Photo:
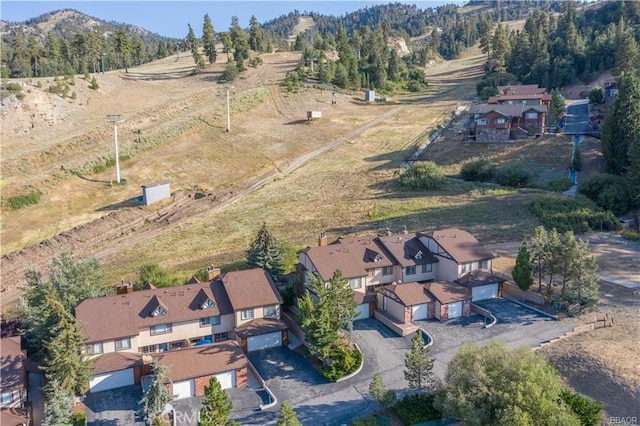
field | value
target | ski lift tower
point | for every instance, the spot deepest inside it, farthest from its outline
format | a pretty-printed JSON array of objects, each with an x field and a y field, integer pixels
[
  {"x": 228, "y": 86},
  {"x": 115, "y": 119}
]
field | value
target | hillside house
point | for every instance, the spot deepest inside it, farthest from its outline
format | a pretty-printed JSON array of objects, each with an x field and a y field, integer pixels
[
  {"x": 409, "y": 276},
  {"x": 504, "y": 122},
  {"x": 526, "y": 94},
  {"x": 124, "y": 331}
]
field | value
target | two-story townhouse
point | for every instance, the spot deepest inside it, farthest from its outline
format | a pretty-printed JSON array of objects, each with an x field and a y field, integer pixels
[
  {"x": 463, "y": 260},
  {"x": 13, "y": 382},
  {"x": 125, "y": 330},
  {"x": 413, "y": 261}
]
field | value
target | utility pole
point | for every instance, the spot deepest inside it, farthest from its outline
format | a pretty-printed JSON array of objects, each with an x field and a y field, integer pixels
[
  {"x": 228, "y": 86},
  {"x": 115, "y": 119}
]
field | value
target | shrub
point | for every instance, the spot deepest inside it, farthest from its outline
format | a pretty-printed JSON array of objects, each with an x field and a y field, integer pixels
[
  {"x": 256, "y": 61},
  {"x": 73, "y": 95},
  {"x": 365, "y": 421},
  {"x": 631, "y": 236},
  {"x": 94, "y": 83},
  {"x": 288, "y": 294},
  {"x": 577, "y": 214},
  {"x": 478, "y": 169},
  {"x": 79, "y": 419},
  {"x": 344, "y": 361},
  {"x": 14, "y": 87},
  {"x": 422, "y": 176},
  {"x": 560, "y": 184},
  {"x": 608, "y": 191},
  {"x": 514, "y": 175},
  {"x": 20, "y": 95},
  {"x": 417, "y": 408},
  {"x": 577, "y": 160},
  {"x": 18, "y": 202},
  {"x": 595, "y": 95},
  {"x": 586, "y": 408},
  {"x": 230, "y": 73}
]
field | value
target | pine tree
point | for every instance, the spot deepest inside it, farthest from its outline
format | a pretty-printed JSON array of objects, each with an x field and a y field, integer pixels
[
  {"x": 122, "y": 47},
  {"x": 192, "y": 41},
  {"x": 209, "y": 40},
  {"x": 557, "y": 108},
  {"x": 419, "y": 365},
  {"x": 583, "y": 281},
  {"x": 58, "y": 405},
  {"x": 216, "y": 406},
  {"x": 66, "y": 361},
  {"x": 157, "y": 395},
  {"x": 521, "y": 273},
  {"x": 287, "y": 416},
  {"x": 266, "y": 253},
  {"x": 386, "y": 398}
]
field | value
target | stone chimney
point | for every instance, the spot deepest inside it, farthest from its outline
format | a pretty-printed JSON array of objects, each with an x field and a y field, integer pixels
[
  {"x": 124, "y": 288},
  {"x": 212, "y": 272},
  {"x": 404, "y": 230},
  {"x": 322, "y": 240},
  {"x": 389, "y": 233}
]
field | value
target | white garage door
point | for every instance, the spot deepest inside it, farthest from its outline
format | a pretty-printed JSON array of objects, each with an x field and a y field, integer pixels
[
  {"x": 264, "y": 341},
  {"x": 184, "y": 389},
  {"x": 227, "y": 379},
  {"x": 455, "y": 310},
  {"x": 484, "y": 292},
  {"x": 420, "y": 312},
  {"x": 362, "y": 311},
  {"x": 111, "y": 380}
]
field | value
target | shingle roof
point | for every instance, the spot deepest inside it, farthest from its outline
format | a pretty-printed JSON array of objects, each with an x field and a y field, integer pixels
[
  {"x": 405, "y": 249},
  {"x": 112, "y": 317},
  {"x": 260, "y": 326},
  {"x": 497, "y": 98},
  {"x": 522, "y": 89},
  {"x": 250, "y": 289},
  {"x": 13, "y": 417},
  {"x": 12, "y": 369},
  {"x": 114, "y": 361},
  {"x": 202, "y": 361},
  {"x": 478, "y": 278},
  {"x": 411, "y": 294},
  {"x": 514, "y": 110},
  {"x": 461, "y": 245},
  {"x": 447, "y": 292}
]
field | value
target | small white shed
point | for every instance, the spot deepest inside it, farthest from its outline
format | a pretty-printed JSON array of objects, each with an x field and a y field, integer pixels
[{"x": 155, "y": 192}]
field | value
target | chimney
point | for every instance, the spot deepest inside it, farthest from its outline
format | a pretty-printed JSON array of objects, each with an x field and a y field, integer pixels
[
  {"x": 212, "y": 272},
  {"x": 124, "y": 288},
  {"x": 389, "y": 233},
  {"x": 404, "y": 229},
  {"x": 322, "y": 240}
]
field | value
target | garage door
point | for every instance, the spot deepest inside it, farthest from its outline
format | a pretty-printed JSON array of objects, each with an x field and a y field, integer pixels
[
  {"x": 264, "y": 341},
  {"x": 420, "y": 312},
  {"x": 111, "y": 380},
  {"x": 362, "y": 311},
  {"x": 455, "y": 310},
  {"x": 184, "y": 389},
  {"x": 227, "y": 379},
  {"x": 484, "y": 292}
]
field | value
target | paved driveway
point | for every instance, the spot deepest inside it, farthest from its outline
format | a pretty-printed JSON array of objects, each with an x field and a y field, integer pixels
[
  {"x": 577, "y": 117},
  {"x": 114, "y": 407}
]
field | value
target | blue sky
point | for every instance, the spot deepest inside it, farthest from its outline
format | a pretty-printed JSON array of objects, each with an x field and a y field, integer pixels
[{"x": 170, "y": 18}]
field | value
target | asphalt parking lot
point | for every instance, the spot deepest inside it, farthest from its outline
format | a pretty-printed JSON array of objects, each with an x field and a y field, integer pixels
[{"x": 114, "y": 407}]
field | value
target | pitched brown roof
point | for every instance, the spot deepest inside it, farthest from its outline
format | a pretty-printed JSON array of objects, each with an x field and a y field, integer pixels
[
  {"x": 353, "y": 256},
  {"x": 112, "y": 317},
  {"x": 13, "y": 417},
  {"x": 114, "y": 361},
  {"x": 407, "y": 250},
  {"x": 202, "y": 361},
  {"x": 260, "y": 326},
  {"x": 250, "y": 289},
  {"x": 478, "y": 278},
  {"x": 363, "y": 297},
  {"x": 447, "y": 292},
  {"x": 514, "y": 110},
  {"x": 411, "y": 294},
  {"x": 12, "y": 370},
  {"x": 461, "y": 245},
  {"x": 496, "y": 99}
]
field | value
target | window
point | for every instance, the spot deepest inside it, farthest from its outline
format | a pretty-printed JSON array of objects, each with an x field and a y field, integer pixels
[
  {"x": 7, "y": 397},
  {"x": 147, "y": 349},
  {"x": 483, "y": 122},
  {"x": 246, "y": 314},
  {"x": 202, "y": 340},
  {"x": 163, "y": 347},
  {"x": 531, "y": 116},
  {"x": 427, "y": 267},
  {"x": 177, "y": 344},
  {"x": 484, "y": 264},
  {"x": 160, "y": 329},
  {"x": 159, "y": 312},
  {"x": 510, "y": 102},
  {"x": 209, "y": 321},
  {"x": 269, "y": 311},
  {"x": 208, "y": 304},
  {"x": 418, "y": 255},
  {"x": 95, "y": 348},
  {"x": 501, "y": 120},
  {"x": 123, "y": 344},
  {"x": 355, "y": 283},
  {"x": 387, "y": 270},
  {"x": 219, "y": 337},
  {"x": 410, "y": 270},
  {"x": 466, "y": 267}
]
